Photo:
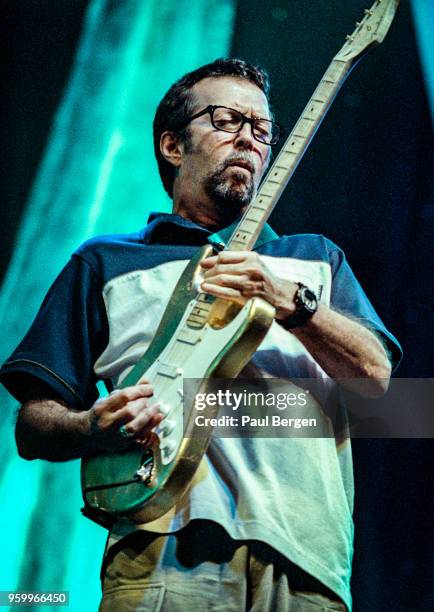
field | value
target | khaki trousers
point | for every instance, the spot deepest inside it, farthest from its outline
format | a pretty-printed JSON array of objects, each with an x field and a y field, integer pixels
[{"x": 201, "y": 569}]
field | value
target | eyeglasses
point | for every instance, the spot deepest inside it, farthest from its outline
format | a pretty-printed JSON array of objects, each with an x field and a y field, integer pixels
[{"x": 232, "y": 121}]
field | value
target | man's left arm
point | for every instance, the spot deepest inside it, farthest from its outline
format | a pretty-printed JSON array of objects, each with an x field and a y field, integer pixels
[{"x": 347, "y": 350}]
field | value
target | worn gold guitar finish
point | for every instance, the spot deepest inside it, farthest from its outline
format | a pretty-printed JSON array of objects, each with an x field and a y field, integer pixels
[{"x": 200, "y": 337}]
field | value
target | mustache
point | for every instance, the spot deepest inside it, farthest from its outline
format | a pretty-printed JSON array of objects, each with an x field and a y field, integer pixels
[{"x": 240, "y": 159}]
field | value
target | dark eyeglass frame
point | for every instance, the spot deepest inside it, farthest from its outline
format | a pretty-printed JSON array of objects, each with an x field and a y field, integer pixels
[{"x": 252, "y": 120}]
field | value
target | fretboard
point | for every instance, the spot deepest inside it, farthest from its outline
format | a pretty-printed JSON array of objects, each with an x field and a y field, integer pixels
[
  {"x": 370, "y": 31},
  {"x": 258, "y": 211}
]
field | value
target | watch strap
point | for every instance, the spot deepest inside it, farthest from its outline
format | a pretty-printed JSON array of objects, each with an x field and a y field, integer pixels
[{"x": 303, "y": 312}]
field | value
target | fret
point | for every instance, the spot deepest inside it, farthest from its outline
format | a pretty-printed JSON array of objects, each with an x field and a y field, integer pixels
[
  {"x": 295, "y": 145},
  {"x": 312, "y": 110},
  {"x": 290, "y": 155},
  {"x": 242, "y": 233},
  {"x": 262, "y": 208},
  {"x": 279, "y": 172},
  {"x": 255, "y": 215},
  {"x": 199, "y": 310},
  {"x": 333, "y": 72},
  {"x": 303, "y": 126},
  {"x": 260, "y": 199},
  {"x": 247, "y": 226},
  {"x": 195, "y": 318},
  {"x": 203, "y": 307},
  {"x": 320, "y": 95},
  {"x": 324, "y": 89},
  {"x": 268, "y": 190},
  {"x": 237, "y": 241}
]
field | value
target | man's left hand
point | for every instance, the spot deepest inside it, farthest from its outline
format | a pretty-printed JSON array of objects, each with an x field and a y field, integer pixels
[{"x": 241, "y": 275}]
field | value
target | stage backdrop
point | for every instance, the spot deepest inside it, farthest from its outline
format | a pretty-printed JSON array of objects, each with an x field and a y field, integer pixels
[
  {"x": 365, "y": 183},
  {"x": 98, "y": 175}
]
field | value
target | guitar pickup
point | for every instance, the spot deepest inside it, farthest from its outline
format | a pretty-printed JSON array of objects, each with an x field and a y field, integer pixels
[
  {"x": 189, "y": 336},
  {"x": 171, "y": 371}
]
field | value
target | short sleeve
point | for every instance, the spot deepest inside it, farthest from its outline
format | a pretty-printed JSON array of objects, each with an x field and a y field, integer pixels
[
  {"x": 68, "y": 334},
  {"x": 348, "y": 297}
]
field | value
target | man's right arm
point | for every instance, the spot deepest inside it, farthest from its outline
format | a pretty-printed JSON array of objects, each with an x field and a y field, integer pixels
[{"x": 49, "y": 429}]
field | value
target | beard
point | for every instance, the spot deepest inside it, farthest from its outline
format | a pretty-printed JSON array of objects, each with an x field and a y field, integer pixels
[{"x": 230, "y": 193}]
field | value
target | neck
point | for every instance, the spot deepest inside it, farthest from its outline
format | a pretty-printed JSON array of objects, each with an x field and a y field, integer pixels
[{"x": 199, "y": 210}]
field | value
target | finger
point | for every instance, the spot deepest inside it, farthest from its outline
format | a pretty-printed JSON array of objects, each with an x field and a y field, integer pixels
[
  {"x": 147, "y": 418},
  {"x": 120, "y": 397},
  {"x": 129, "y": 411},
  {"x": 209, "y": 262},
  {"x": 229, "y": 280},
  {"x": 236, "y": 269},
  {"x": 145, "y": 421},
  {"x": 254, "y": 270},
  {"x": 114, "y": 419},
  {"x": 226, "y": 257},
  {"x": 226, "y": 293}
]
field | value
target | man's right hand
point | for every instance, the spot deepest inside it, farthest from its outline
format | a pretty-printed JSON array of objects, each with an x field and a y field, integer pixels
[
  {"x": 126, "y": 415},
  {"x": 49, "y": 429}
]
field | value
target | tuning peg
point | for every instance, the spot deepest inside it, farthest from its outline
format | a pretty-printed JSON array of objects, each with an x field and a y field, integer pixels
[
  {"x": 368, "y": 12},
  {"x": 358, "y": 24},
  {"x": 349, "y": 37}
]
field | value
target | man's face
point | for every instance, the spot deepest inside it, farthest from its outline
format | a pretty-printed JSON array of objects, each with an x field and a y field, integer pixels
[{"x": 219, "y": 169}]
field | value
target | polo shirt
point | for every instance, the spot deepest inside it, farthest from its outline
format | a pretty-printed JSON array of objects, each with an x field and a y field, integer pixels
[{"x": 100, "y": 316}]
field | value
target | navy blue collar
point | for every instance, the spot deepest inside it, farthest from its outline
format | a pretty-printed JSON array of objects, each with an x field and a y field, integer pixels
[{"x": 166, "y": 228}]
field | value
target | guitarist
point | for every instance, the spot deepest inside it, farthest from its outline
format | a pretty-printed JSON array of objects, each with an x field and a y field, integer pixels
[{"x": 267, "y": 522}]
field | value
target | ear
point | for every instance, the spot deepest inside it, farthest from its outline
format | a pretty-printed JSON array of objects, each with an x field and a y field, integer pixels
[{"x": 171, "y": 147}]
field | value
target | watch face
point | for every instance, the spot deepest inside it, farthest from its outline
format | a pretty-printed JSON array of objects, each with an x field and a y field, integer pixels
[{"x": 309, "y": 299}]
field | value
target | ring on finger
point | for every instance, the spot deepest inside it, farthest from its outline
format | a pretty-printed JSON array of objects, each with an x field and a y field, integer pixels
[{"x": 124, "y": 433}]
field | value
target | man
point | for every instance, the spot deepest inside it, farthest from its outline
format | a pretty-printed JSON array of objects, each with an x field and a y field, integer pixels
[{"x": 266, "y": 523}]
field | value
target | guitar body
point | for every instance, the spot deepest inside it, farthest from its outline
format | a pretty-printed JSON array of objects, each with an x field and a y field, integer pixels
[{"x": 143, "y": 483}]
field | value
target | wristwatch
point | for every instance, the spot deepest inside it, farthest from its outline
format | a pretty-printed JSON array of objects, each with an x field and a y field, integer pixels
[{"x": 306, "y": 305}]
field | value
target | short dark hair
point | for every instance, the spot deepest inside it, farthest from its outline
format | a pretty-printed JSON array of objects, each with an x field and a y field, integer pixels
[{"x": 177, "y": 104}]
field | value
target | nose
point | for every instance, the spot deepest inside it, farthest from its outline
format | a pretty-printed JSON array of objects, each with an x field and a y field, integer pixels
[{"x": 244, "y": 138}]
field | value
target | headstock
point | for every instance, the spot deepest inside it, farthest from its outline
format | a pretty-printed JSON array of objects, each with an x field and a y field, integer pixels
[{"x": 370, "y": 31}]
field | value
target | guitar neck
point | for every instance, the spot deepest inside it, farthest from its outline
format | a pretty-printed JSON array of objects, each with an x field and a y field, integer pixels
[
  {"x": 258, "y": 211},
  {"x": 370, "y": 31}
]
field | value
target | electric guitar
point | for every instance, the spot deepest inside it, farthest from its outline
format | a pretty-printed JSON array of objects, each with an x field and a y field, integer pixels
[{"x": 201, "y": 337}]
